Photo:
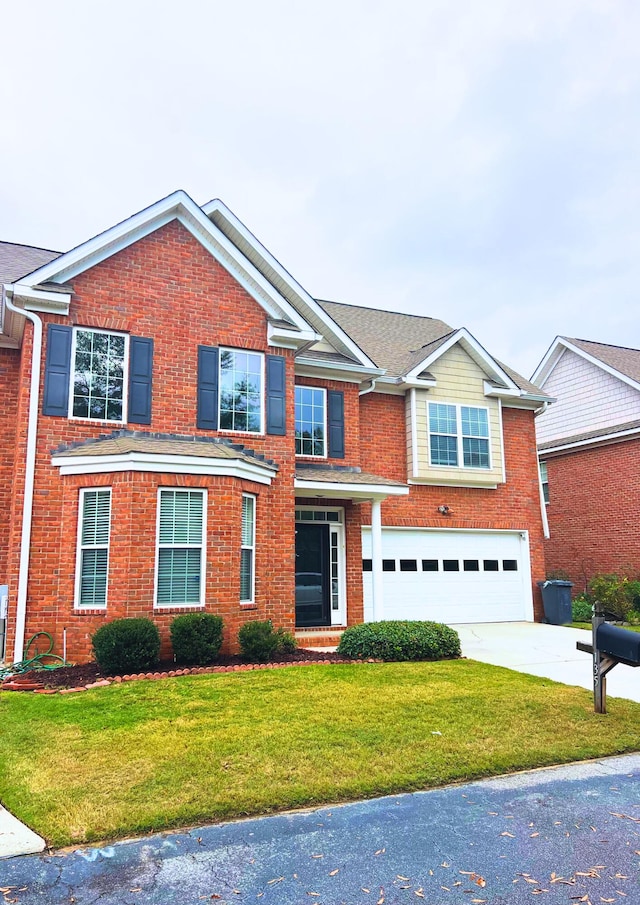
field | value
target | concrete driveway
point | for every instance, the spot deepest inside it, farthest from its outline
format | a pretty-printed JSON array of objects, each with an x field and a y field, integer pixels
[{"x": 543, "y": 650}]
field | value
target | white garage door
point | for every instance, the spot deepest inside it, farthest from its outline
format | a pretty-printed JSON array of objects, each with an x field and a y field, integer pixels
[{"x": 451, "y": 576}]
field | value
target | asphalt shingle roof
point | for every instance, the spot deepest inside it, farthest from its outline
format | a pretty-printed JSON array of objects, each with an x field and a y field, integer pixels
[
  {"x": 18, "y": 260},
  {"x": 627, "y": 361},
  {"x": 342, "y": 476}
]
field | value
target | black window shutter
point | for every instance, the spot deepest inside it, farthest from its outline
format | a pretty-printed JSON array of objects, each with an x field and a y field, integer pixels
[
  {"x": 276, "y": 396},
  {"x": 140, "y": 374},
  {"x": 207, "y": 417},
  {"x": 335, "y": 406},
  {"x": 57, "y": 371}
]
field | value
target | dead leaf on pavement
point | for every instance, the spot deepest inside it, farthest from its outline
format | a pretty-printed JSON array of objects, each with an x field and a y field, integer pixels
[{"x": 332, "y": 873}]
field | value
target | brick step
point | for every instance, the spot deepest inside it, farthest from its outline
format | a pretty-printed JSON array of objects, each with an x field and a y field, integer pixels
[{"x": 319, "y": 637}]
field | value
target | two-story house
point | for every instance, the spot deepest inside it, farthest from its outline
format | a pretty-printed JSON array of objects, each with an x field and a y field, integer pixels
[
  {"x": 184, "y": 427},
  {"x": 589, "y": 448}
]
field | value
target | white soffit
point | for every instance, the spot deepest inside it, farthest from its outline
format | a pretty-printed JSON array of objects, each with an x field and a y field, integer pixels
[{"x": 164, "y": 464}]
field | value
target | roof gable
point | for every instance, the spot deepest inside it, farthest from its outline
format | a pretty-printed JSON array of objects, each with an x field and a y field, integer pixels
[{"x": 618, "y": 361}]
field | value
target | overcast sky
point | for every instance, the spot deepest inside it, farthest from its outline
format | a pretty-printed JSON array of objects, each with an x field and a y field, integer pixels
[{"x": 472, "y": 161}]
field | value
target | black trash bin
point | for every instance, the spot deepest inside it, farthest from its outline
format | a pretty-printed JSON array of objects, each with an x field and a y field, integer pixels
[{"x": 556, "y": 599}]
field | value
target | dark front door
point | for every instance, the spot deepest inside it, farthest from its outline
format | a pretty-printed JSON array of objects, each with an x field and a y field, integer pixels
[{"x": 312, "y": 575}]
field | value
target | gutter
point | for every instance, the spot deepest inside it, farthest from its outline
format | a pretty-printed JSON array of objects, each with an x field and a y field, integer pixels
[{"x": 30, "y": 468}]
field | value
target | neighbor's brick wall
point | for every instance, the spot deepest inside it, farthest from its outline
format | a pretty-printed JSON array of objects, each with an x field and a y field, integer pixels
[
  {"x": 511, "y": 506},
  {"x": 169, "y": 288},
  {"x": 594, "y": 512}
]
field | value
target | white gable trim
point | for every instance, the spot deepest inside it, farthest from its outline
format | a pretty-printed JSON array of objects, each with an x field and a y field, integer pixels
[
  {"x": 555, "y": 353},
  {"x": 181, "y": 207},
  {"x": 476, "y": 351},
  {"x": 219, "y": 207}
]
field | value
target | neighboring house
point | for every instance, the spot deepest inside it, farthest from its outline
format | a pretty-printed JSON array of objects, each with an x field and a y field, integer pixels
[
  {"x": 589, "y": 449},
  {"x": 186, "y": 428}
]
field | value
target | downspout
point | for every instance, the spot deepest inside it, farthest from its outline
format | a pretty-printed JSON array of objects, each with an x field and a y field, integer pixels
[
  {"x": 369, "y": 389},
  {"x": 543, "y": 505},
  {"x": 30, "y": 469}
]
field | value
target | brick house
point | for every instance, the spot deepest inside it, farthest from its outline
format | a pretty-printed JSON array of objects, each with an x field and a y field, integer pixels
[
  {"x": 589, "y": 450},
  {"x": 186, "y": 428}
]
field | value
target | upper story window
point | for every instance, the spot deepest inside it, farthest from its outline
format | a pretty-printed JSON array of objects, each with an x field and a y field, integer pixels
[
  {"x": 311, "y": 428},
  {"x": 544, "y": 480},
  {"x": 98, "y": 375},
  {"x": 459, "y": 435},
  {"x": 241, "y": 391}
]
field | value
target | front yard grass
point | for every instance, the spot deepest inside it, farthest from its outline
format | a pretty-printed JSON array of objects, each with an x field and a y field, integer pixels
[
  {"x": 587, "y": 626},
  {"x": 149, "y": 755}
]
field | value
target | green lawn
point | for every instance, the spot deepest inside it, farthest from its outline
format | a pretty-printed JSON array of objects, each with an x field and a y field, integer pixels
[
  {"x": 587, "y": 626},
  {"x": 147, "y": 755}
]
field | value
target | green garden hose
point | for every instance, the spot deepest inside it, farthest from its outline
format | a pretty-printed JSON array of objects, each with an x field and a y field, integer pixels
[{"x": 34, "y": 658}]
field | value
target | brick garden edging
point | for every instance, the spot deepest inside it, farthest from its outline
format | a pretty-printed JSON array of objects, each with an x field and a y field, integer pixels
[{"x": 13, "y": 683}]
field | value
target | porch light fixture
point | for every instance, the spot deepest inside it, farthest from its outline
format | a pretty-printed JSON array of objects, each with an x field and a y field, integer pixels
[{"x": 444, "y": 510}]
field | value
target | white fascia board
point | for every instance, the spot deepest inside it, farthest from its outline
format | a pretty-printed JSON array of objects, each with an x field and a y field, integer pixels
[
  {"x": 603, "y": 440},
  {"x": 218, "y": 207},
  {"x": 41, "y": 299},
  {"x": 351, "y": 373},
  {"x": 160, "y": 463},
  {"x": 548, "y": 362},
  {"x": 566, "y": 344},
  {"x": 428, "y": 482},
  {"x": 466, "y": 339},
  {"x": 290, "y": 339},
  {"x": 336, "y": 490}
]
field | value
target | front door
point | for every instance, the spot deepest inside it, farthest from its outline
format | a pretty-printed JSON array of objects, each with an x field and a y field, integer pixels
[{"x": 312, "y": 575}]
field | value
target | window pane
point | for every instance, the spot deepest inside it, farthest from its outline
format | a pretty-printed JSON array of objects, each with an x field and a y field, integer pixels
[
  {"x": 471, "y": 565},
  {"x": 240, "y": 391},
  {"x": 179, "y": 576},
  {"x": 93, "y": 578},
  {"x": 388, "y": 565},
  {"x": 96, "y": 517},
  {"x": 98, "y": 376},
  {"x": 408, "y": 565},
  {"x": 310, "y": 417},
  {"x": 450, "y": 565},
  {"x": 491, "y": 565},
  {"x": 475, "y": 422},
  {"x": 429, "y": 565},
  {"x": 475, "y": 452},
  {"x": 442, "y": 418},
  {"x": 181, "y": 517},
  {"x": 509, "y": 565},
  {"x": 444, "y": 450},
  {"x": 247, "y": 521},
  {"x": 367, "y": 565},
  {"x": 246, "y": 575}
]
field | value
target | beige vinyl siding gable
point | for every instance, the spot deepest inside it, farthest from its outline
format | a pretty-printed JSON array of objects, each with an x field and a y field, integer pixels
[{"x": 459, "y": 381}]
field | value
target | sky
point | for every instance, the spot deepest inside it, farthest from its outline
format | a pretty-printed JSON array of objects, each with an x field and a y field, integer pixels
[{"x": 472, "y": 161}]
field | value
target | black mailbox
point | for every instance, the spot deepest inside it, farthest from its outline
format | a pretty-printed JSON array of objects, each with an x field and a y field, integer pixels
[{"x": 618, "y": 642}]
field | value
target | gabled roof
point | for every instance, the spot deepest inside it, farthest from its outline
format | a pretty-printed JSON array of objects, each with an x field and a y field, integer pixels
[
  {"x": 620, "y": 361},
  {"x": 401, "y": 343},
  {"x": 18, "y": 260}
]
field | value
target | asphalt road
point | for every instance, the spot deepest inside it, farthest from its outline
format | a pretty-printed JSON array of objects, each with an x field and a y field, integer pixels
[{"x": 565, "y": 835}]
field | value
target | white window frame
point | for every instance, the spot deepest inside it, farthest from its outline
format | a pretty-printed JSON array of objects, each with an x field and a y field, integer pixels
[
  {"x": 125, "y": 375},
  {"x": 459, "y": 436},
  {"x": 263, "y": 390},
  {"x": 544, "y": 482},
  {"x": 202, "y": 546},
  {"x": 251, "y": 547},
  {"x": 301, "y": 386},
  {"x": 80, "y": 548}
]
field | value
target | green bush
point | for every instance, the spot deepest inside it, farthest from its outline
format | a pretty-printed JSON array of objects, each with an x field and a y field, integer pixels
[
  {"x": 258, "y": 641},
  {"x": 582, "y": 609},
  {"x": 127, "y": 646},
  {"x": 196, "y": 638},
  {"x": 287, "y": 644},
  {"x": 400, "y": 640},
  {"x": 633, "y": 591},
  {"x": 612, "y": 592}
]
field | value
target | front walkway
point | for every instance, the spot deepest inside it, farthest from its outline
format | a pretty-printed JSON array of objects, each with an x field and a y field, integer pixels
[{"x": 543, "y": 650}]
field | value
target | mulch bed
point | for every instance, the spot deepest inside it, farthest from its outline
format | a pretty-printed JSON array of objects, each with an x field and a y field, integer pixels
[{"x": 87, "y": 673}]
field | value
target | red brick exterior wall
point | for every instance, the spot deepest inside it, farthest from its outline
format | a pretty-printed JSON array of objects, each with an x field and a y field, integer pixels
[
  {"x": 9, "y": 377},
  {"x": 594, "y": 512}
]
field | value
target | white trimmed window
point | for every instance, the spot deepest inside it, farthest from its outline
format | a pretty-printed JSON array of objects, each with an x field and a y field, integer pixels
[
  {"x": 241, "y": 391},
  {"x": 181, "y": 554},
  {"x": 92, "y": 568},
  {"x": 544, "y": 480},
  {"x": 459, "y": 435},
  {"x": 311, "y": 422},
  {"x": 98, "y": 375},
  {"x": 248, "y": 549}
]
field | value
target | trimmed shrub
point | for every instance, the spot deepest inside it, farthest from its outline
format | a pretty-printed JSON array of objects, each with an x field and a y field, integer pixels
[
  {"x": 258, "y": 641},
  {"x": 581, "y": 609},
  {"x": 287, "y": 644},
  {"x": 400, "y": 640},
  {"x": 196, "y": 638},
  {"x": 127, "y": 645}
]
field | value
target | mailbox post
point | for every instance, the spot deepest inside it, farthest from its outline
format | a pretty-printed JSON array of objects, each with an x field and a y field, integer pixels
[{"x": 610, "y": 645}]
